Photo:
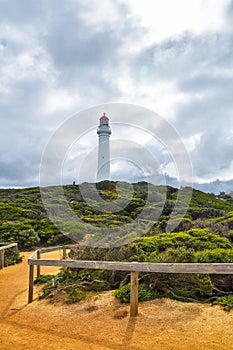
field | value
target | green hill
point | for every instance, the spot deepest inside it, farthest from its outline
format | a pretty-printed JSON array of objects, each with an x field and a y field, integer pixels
[
  {"x": 204, "y": 234},
  {"x": 23, "y": 217}
]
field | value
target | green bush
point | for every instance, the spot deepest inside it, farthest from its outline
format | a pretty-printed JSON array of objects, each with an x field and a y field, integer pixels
[
  {"x": 27, "y": 238},
  {"x": 183, "y": 294},
  {"x": 229, "y": 235},
  {"x": 123, "y": 293},
  {"x": 43, "y": 279},
  {"x": 225, "y": 301},
  {"x": 12, "y": 256},
  {"x": 178, "y": 255},
  {"x": 75, "y": 295},
  {"x": 214, "y": 256}
]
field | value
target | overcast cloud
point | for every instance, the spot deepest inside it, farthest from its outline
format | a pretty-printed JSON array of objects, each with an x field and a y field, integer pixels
[{"x": 58, "y": 58}]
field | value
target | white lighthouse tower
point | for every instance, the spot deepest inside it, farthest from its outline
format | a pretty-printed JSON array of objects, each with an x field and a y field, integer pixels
[{"x": 104, "y": 132}]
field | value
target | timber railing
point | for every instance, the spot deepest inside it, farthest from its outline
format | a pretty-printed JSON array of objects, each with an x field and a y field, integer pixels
[
  {"x": 3, "y": 247},
  {"x": 134, "y": 268}
]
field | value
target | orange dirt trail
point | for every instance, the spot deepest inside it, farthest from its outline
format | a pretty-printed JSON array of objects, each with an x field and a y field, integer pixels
[{"x": 102, "y": 323}]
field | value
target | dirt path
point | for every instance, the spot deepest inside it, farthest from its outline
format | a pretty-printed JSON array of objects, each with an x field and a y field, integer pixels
[{"x": 102, "y": 323}]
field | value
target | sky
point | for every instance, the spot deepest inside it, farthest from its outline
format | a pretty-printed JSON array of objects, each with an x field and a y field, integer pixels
[{"x": 60, "y": 58}]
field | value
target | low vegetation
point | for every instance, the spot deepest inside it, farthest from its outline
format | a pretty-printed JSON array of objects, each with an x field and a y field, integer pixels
[
  {"x": 23, "y": 218},
  {"x": 204, "y": 234},
  {"x": 195, "y": 245},
  {"x": 12, "y": 256},
  {"x": 44, "y": 279}
]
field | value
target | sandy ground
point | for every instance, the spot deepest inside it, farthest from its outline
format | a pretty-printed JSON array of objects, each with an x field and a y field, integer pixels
[{"x": 102, "y": 323}]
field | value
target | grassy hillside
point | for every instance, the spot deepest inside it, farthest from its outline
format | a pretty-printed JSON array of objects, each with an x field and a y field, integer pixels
[
  {"x": 24, "y": 219},
  {"x": 205, "y": 234}
]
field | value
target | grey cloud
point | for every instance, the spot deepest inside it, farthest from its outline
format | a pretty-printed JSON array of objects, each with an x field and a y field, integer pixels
[
  {"x": 205, "y": 83},
  {"x": 19, "y": 171},
  {"x": 201, "y": 68},
  {"x": 73, "y": 46},
  {"x": 75, "y": 53},
  {"x": 82, "y": 55},
  {"x": 213, "y": 153},
  {"x": 187, "y": 56}
]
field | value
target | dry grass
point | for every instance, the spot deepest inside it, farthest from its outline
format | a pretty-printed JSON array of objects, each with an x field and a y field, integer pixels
[
  {"x": 91, "y": 308},
  {"x": 120, "y": 314}
]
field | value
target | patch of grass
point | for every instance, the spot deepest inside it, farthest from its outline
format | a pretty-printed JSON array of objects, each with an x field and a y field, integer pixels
[
  {"x": 91, "y": 308},
  {"x": 75, "y": 295},
  {"x": 120, "y": 314},
  {"x": 183, "y": 294},
  {"x": 43, "y": 279},
  {"x": 225, "y": 301}
]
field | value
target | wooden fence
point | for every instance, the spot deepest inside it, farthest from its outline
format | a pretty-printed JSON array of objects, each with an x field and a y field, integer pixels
[
  {"x": 134, "y": 267},
  {"x": 3, "y": 247}
]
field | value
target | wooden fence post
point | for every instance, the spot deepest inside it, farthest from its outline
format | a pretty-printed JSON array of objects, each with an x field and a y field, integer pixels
[
  {"x": 133, "y": 293},
  {"x": 1, "y": 259},
  {"x": 38, "y": 266},
  {"x": 64, "y": 256},
  {"x": 31, "y": 282}
]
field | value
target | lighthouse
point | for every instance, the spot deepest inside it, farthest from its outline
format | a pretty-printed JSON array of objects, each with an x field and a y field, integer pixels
[{"x": 104, "y": 132}]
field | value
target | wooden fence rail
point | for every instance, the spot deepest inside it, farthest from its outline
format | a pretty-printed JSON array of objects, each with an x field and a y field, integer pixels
[
  {"x": 133, "y": 267},
  {"x": 3, "y": 247}
]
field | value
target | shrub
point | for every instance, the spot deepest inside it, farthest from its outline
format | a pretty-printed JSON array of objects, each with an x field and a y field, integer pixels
[
  {"x": 12, "y": 256},
  {"x": 183, "y": 294},
  {"x": 225, "y": 301},
  {"x": 214, "y": 256},
  {"x": 75, "y": 295},
  {"x": 229, "y": 235},
  {"x": 123, "y": 293},
  {"x": 27, "y": 238},
  {"x": 43, "y": 279},
  {"x": 180, "y": 254}
]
